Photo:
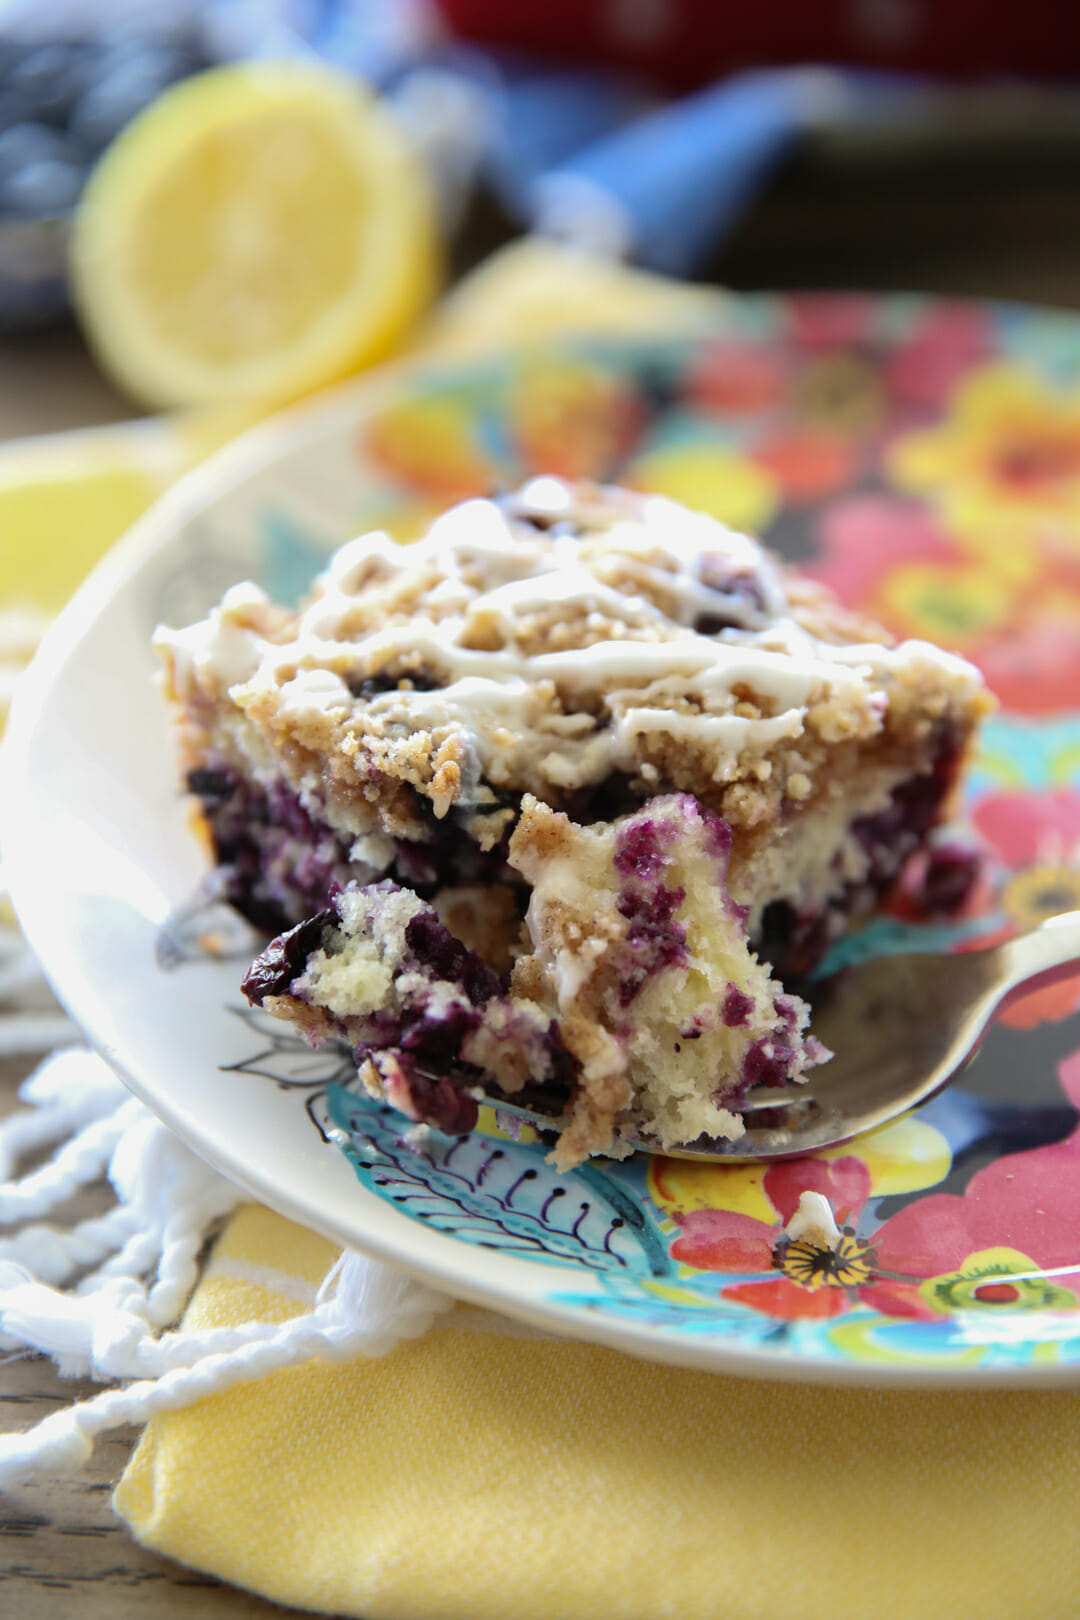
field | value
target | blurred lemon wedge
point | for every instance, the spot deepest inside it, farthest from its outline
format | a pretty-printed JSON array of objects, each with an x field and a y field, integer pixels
[{"x": 258, "y": 231}]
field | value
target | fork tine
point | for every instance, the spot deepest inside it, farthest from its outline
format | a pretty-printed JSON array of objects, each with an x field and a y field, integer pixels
[{"x": 773, "y": 1097}]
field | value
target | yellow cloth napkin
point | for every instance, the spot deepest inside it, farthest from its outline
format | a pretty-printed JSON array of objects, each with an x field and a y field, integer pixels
[{"x": 485, "y": 1472}]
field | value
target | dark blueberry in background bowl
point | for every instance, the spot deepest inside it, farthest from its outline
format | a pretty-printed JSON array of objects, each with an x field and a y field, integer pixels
[
  {"x": 51, "y": 78},
  {"x": 14, "y": 109},
  {"x": 42, "y": 172},
  {"x": 61, "y": 103},
  {"x": 127, "y": 82}
]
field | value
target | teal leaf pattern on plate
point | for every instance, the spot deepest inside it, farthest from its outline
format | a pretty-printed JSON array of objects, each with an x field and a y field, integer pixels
[
  {"x": 497, "y": 1194},
  {"x": 289, "y": 558}
]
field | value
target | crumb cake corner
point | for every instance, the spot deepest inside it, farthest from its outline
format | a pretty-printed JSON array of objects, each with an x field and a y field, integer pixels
[{"x": 560, "y": 804}]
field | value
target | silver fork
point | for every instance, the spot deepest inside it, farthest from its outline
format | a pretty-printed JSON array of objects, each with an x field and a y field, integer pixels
[{"x": 900, "y": 1027}]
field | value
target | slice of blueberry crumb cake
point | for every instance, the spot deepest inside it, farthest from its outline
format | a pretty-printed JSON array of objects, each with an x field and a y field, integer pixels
[{"x": 560, "y": 803}]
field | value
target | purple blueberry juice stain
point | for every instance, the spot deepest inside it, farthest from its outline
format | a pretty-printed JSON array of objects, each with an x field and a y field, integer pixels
[
  {"x": 424, "y": 1048},
  {"x": 717, "y": 834},
  {"x": 280, "y": 863},
  {"x": 737, "y": 1007},
  {"x": 893, "y": 833},
  {"x": 952, "y": 870},
  {"x": 654, "y": 940},
  {"x": 641, "y": 846},
  {"x": 767, "y": 1063},
  {"x": 794, "y": 942},
  {"x": 643, "y": 853},
  {"x": 436, "y": 951},
  {"x": 439, "y": 1102},
  {"x": 785, "y": 1010}
]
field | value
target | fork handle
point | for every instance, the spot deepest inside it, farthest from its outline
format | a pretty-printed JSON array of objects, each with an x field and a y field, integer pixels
[{"x": 1042, "y": 957}]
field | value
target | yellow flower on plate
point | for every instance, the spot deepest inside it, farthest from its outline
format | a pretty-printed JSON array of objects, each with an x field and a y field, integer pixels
[
  {"x": 429, "y": 445},
  {"x": 569, "y": 417},
  {"x": 1038, "y": 892},
  {"x": 709, "y": 478},
  {"x": 996, "y": 1279},
  {"x": 847, "y": 1263},
  {"x": 1008, "y": 454},
  {"x": 956, "y": 606},
  {"x": 903, "y": 1156},
  {"x": 679, "y": 1186},
  {"x": 840, "y": 392}
]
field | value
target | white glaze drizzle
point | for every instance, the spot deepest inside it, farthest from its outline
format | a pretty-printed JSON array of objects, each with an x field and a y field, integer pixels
[
  {"x": 219, "y": 651},
  {"x": 479, "y": 564}
]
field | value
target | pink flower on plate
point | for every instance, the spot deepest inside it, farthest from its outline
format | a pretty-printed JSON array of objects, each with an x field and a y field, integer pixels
[
  {"x": 948, "y": 341},
  {"x": 1034, "y": 668},
  {"x": 941, "y": 1253},
  {"x": 727, "y": 1240},
  {"x": 830, "y": 320},
  {"x": 957, "y": 1250},
  {"x": 1026, "y": 827},
  {"x": 865, "y": 537},
  {"x": 808, "y": 464},
  {"x": 1038, "y": 836},
  {"x": 738, "y": 378}
]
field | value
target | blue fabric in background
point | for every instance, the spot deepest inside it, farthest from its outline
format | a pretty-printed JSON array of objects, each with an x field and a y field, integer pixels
[
  {"x": 580, "y": 152},
  {"x": 542, "y": 116},
  {"x": 682, "y": 176}
]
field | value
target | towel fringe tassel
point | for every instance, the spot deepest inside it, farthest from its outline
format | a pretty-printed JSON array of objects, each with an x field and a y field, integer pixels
[{"x": 100, "y": 1296}]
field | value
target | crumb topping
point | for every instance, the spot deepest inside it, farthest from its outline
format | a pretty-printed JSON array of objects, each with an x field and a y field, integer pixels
[{"x": 541, "y": 644}]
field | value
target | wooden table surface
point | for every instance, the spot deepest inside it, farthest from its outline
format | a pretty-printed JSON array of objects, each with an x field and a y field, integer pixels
[
  {"x": 60, "y": 1538},
  {"x": 833, "y": 218}
]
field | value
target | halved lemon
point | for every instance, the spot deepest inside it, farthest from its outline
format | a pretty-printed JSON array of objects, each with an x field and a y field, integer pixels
[{"x": 258, "y": 231}]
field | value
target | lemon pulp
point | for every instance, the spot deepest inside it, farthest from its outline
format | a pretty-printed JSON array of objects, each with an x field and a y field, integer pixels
[{"x": 259, "y": 231}]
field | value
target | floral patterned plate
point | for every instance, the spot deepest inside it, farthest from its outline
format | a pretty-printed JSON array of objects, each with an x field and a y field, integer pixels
[{"x": 924, "y": 458}]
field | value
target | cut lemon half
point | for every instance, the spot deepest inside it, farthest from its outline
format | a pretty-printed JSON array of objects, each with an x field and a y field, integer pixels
[{"x": 258, "y": 231}]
